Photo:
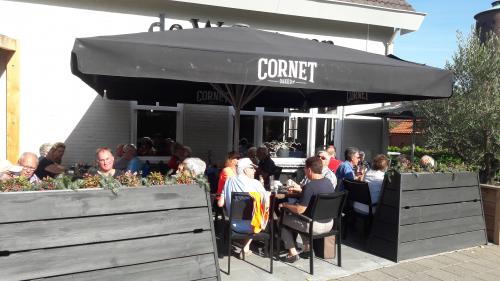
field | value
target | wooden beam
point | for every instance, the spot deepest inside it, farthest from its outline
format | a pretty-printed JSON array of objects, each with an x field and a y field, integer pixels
[{"x": 12, "y": 97}]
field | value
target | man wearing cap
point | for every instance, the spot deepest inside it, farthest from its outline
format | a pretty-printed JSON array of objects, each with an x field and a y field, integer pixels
[
  {"x": 8, "y": 171},
  {"x": 243, "y": 182},
  {"x": 29, "y": 162}
]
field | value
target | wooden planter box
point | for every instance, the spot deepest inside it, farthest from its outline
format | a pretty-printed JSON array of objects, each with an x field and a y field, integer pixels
[
  {"x": 491, "y": 205},
  {"x": 427, "y": 213},
  {"x": 150, "y": 233}
]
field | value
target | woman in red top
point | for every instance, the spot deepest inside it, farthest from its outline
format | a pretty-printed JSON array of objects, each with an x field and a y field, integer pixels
[{"x": 228, "y": 171}]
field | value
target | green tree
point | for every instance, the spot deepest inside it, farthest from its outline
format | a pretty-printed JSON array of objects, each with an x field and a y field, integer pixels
[{"x": 468, "y": 123}]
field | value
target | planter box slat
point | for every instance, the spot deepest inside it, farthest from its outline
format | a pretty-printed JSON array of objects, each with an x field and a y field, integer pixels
[
  {"x": 66, "y": 260},
  {"x": 178, "y": 269},
  {"x": 440, "y": 196},
  {"x": 440, "y": 212},
  {"x": 427, "y": 230},
  {"x": 415, "y": 181},
  {"x": 431, "y": 246},
  {"x": 491, "y": 204},
  {"x": 68, "y": 203},
  {"x": 83, "y": 230}
]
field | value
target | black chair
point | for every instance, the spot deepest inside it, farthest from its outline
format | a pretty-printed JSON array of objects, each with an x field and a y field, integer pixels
[
  {"x": 242, "y": 208},
  {"x": 324, "y": 206},
  {"x": 359, "y": 191}
]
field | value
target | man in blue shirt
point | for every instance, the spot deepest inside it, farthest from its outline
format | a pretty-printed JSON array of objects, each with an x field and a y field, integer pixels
[{"x": 346, "y": 169}]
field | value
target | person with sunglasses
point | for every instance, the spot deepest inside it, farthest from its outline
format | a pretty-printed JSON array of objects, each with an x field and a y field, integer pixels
[{"x": 325, "y": 172}]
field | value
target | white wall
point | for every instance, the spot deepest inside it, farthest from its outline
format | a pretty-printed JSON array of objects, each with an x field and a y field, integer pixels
[
  {"x": 54, "y": 101},
  {"x": 57, "y": 106}
]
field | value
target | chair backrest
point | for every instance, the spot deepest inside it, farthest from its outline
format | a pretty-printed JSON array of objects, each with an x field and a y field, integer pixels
[
  {"x": 359, "y": 191},
  {"x": 328, "y": 205},
  {"x": 241, "y": 206}
]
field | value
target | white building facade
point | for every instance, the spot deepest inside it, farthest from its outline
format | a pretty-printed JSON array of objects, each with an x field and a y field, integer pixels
[{"x": 55, "y": 105}]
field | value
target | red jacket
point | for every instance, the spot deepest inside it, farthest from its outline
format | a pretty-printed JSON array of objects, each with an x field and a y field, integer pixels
[{"x": 334, "y": 164}]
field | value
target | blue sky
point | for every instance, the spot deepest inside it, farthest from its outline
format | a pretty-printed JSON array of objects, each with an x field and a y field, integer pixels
[{"x": 435, "y": 42}]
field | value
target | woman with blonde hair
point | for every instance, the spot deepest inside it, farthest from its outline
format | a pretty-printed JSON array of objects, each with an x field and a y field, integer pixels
[{"x": 50, "y": 165}]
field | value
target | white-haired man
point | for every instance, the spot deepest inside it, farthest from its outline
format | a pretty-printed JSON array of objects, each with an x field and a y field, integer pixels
[
  {"x": 29, "y": 162},
  {"x": 243, "y": 182}
]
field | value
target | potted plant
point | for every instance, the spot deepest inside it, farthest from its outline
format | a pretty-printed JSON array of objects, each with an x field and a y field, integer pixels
[{"x": 280, "y": 148}]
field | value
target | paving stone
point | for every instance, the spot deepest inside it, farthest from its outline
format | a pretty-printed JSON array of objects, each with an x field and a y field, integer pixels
[
  {"x": 376, "y": 275},
  {"x": 441, "y": 274},
  {"x": 486, "y": 276},
  {"x": 459, "y": 256},
  {"x": 419, "y": 277},
  {"x": 477, "y": 268},
  {"x": 445, "y": 260},
  {"x": 414, "y": 267},
  {"x": 396, "y": 271},
  {"x": 355, "y": 277},
  {"x": 458, "y": 270},
  {"x": 492, "y": 264},
  {"x": 430, "y": 263}
]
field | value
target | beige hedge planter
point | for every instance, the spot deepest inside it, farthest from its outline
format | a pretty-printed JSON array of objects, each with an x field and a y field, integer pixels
[
  {"x": 147, "y": 233},
  {"x": 491, "y": 205}
]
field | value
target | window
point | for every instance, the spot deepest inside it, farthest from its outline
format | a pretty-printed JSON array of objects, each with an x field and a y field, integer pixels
[{"x": 160, "y": 127}]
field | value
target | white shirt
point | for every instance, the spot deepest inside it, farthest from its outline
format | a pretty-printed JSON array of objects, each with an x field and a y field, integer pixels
[{"x": 375, "y": 179}]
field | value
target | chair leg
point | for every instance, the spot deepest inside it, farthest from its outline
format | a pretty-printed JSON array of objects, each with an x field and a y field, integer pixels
[
  {"x": 229, "y": 252},
  {"x": 271, "y": 252},
  {"x": 339, "y": 249},
  {"x": 311, "y": 254}
]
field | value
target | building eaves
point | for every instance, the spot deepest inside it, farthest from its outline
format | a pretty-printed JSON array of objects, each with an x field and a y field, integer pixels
[{"x": 393, "y": 4}]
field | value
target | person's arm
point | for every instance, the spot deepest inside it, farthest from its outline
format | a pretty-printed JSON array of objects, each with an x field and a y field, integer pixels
[
  {"x": 294, "y": 208},
  {"x": 55, "y": 168}
]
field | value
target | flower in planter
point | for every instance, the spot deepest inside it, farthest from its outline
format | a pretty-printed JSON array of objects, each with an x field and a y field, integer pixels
[
  {"x": 15, "y": 184},
  {"x": 155, "y": 178},
  {"x": 129, "y": 179}
]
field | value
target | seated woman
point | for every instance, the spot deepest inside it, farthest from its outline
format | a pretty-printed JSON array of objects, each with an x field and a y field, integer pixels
[
  {"x": 375, "y": 178},
  {"x": 50, "y": 166},
  {"x": 228, "y": 172}
]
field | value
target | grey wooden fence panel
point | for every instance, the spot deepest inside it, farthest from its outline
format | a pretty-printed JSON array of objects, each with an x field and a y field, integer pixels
[
  {"x": 390, "y": 197},
  {"x": 83, "y": 230},
  {"x": 385, "y": 231},
  {"x": 67, "y": 203},
  {"x": 66, "y": 260},
  {"x": 439, "y": 196},
  {"x": 440, "y": 228},
  {"x": 440, "y": 212},
  {"x": 383, "y": 247},
  {"x": 415, "y": 181},
  {"x": 387, "y": 214},
  {"x": 420, "y": 248},
  {"x": 188, "y": 268}
]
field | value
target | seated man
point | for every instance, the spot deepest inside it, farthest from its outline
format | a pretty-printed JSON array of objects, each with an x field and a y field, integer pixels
[
  {"x": 243, "y": 182},
  {"x": 135, "y": 164},
  {"x": 317, "y": 185},
  {"x": 29, "y": 162},
  {"x": 105, "y": 162},
  {"x": 346, "y": 169},
  {"x": 334, "y": 163}
]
